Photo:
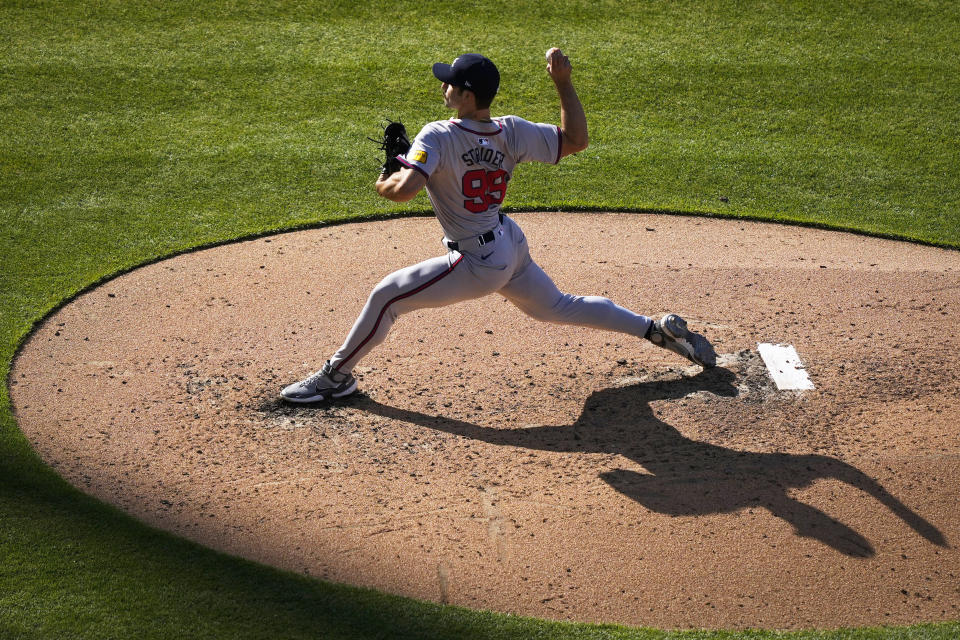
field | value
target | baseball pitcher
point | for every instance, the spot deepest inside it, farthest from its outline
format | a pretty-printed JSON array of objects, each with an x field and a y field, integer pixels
[{"x": 465, "y": 164}]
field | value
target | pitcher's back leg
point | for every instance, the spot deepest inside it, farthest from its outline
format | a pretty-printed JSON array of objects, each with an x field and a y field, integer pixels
[{"x": 535, "y": 293}]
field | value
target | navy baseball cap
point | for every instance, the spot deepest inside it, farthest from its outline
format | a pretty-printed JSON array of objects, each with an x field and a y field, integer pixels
[{"x": 471, "y": 71}]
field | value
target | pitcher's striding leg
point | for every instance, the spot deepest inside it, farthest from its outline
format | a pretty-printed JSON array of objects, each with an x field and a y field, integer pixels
[{"x": 416, "y": 287}]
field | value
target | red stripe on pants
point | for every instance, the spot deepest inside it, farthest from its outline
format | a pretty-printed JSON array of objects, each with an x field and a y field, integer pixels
[{"x": 402, "y": 296}]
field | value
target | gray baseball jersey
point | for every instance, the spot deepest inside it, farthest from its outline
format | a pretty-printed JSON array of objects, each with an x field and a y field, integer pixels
[{"x": 468, "y": 165}]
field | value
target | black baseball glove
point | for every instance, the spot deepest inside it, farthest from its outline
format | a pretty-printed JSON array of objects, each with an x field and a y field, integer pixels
[{"x": 393, "y": 143}]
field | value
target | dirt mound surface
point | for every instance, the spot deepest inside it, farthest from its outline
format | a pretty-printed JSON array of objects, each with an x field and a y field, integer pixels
[{"x": 494, "y": 462}]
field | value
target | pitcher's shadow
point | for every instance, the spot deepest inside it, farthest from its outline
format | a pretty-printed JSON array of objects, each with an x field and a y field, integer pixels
[{"x": 684, "y": 476}]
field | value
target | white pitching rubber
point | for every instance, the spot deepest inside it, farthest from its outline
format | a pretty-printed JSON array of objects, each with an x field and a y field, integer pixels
[{"x": 785, "y": 366}]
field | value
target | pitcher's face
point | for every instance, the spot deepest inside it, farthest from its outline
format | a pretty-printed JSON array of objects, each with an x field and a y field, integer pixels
[{"x": 452, "y": 96}]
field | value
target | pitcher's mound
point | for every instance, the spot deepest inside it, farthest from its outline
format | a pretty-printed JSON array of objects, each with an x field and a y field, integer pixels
[{"x": 498, "y": 463}]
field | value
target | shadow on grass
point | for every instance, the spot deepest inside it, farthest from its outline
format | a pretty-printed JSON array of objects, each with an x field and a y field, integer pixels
[{"x": 73, "y": 567}]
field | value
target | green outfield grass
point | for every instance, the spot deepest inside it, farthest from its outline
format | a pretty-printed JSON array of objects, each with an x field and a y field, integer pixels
[{"x": 135, "y": 130}]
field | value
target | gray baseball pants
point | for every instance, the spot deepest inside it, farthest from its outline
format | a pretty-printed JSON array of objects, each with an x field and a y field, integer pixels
[{"x": 472, "y": 271}]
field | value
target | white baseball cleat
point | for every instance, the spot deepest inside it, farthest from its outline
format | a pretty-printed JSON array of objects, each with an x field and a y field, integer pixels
[
  {"x": 325, "y": 384},
  {"x": 670, "y": 332}
]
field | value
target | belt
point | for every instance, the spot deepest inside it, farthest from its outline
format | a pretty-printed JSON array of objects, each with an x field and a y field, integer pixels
[{"x": 482, "y": 239}]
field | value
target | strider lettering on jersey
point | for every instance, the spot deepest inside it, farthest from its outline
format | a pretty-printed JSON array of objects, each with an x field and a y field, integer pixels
[
  {"x": 468, "y": 165},
  {"x": 483, "y": 155}
]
